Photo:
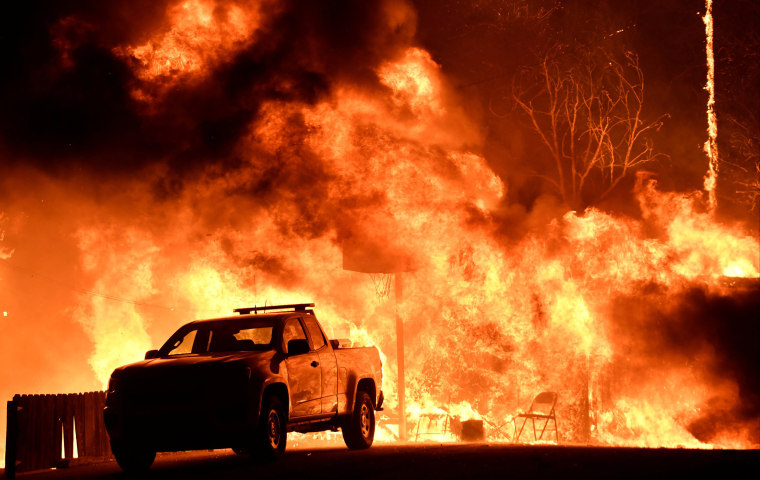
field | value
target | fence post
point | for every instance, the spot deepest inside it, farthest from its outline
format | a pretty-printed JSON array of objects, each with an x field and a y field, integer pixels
[{"x": 11, "y": 439}]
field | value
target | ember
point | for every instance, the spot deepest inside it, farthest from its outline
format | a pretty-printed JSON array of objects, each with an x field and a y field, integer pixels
[{"x": 174, "y": 165}]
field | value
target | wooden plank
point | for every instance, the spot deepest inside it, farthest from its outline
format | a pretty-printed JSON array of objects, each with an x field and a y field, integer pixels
[
  {"x": 103, "y": 447},
  {"x": 32, "y": 447},
  {"x": 11, "y": 439},
  {"x": 22, "y": 419},
  {"x": 42, "y": 442},
  {"x": 90, "y": 437},
  {"x": 106, "y": 438},
  {"x": 84, "y": 452},
  {"x": 22, "y": 452},
  {"x": 44, "y": 445},
  {"x": 78, "y": 400},
  {"x": 88, "y": 433},
  {"x": 33, "y": 441},
  {"x": 99, "y": 427},
  {"x": 28, "y": 430},
  {"x": 94, "y": 428},
  {"x": 59, "y": 414},
  {"x": 53, "y": 431},
  {"x": 44, "y": 432}
]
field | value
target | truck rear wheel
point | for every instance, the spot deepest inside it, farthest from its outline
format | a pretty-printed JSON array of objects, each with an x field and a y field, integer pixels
[
  {"x": 271, "y": 436},
  {"x": 132, "y": 457},
  {"x": 359, "y": 429}
]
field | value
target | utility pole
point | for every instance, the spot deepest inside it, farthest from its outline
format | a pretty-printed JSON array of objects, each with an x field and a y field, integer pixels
[{"x": 399, "y": 291}]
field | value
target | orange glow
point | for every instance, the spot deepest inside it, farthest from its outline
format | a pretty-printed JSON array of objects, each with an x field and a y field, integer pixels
[
  {"x": 490, "y": 320},
  {"x": 414, "y": 83},
  {"x": 198, "y": 35}
]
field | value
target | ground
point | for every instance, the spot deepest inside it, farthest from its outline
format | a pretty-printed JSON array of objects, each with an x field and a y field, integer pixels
[{"x": 434, "y": 461}]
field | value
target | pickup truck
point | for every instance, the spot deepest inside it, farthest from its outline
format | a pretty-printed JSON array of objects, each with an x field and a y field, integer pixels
[{"x": 242, "y": 382}]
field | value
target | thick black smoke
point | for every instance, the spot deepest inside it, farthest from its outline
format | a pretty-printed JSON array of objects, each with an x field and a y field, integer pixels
[
  {"x": 713, "y": 333},
  {"x": 66, "y": 92},
  {"x": 55, "y": 115}
]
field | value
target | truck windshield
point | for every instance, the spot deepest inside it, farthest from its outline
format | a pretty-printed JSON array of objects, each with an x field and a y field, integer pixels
[{"x": 223, "y": 336}]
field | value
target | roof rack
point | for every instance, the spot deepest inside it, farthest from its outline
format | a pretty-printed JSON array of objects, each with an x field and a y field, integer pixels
[{"x": 298, "y": 307}]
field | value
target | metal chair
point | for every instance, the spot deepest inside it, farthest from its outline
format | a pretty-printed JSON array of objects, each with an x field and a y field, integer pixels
[
  {"x": 542, "y": 408},
  {"x": 498, "y": 432},
  {"x": 433, "y": 419}
]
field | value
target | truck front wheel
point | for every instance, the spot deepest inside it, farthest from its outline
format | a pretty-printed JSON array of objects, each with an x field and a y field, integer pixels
[
  {"x": 272, "y": 431},
  {"x": 359, "y": 429},
  {"x": 132, "y": 457}
]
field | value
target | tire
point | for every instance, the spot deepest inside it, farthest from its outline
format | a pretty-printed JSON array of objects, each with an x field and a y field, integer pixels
[
  {"x": 359, "y": 429},
  {"x": 271, "y": 436},
  {"x": 133, "y": 457}
]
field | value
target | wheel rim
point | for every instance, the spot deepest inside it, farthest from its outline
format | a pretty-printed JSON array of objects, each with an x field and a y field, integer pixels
[
  {"x": 364, "y": 420},
  {"x": 273, "y": 429}
]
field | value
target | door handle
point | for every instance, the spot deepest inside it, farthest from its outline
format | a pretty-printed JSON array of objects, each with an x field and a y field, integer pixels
[{"x": 315, "y": 363}]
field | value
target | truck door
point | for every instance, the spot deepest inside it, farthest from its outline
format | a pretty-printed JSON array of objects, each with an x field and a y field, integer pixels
[
  {"x": 304, "y": 374},
  {"x": 328, "y": 363}
]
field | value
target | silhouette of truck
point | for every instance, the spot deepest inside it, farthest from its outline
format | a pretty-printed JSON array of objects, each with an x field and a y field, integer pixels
[{"x": 243, "y": 382}]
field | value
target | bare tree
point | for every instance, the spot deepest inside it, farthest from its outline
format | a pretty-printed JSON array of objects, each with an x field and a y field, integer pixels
[
  {"x": 744, "y": 150},
  {"x": 738, "y": 104},
  {"x": 588, "y": 112}
]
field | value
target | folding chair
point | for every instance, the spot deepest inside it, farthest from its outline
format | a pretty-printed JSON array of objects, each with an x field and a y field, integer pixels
[
  {"x": 432, "y": 419},
  {"x": 497, "y": 432},
  {"x": 542, "y": 408}
]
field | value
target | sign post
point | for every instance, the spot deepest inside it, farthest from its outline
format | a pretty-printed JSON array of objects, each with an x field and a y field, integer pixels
[{"x": 399, "y": 291}]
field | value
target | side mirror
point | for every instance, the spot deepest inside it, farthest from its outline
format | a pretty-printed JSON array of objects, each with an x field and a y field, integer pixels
[
  {"x": 297, "y": 347},
  {"x": 151, "y": 354}
]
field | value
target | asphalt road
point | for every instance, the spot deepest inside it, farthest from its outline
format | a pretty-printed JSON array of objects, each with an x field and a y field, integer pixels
[{"x": 434, "y": 461}]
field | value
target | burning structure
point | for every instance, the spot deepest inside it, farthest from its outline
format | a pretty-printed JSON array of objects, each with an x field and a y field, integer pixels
[{"x": 172, "y": 160}]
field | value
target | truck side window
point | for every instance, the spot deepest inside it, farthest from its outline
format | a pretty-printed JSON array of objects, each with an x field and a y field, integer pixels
[
  {"x": 184, "y": 345},
  {"x": 292, "y": 331},
  {"x": 223, "y": 340},
  {"x": 315, "y": 333}
]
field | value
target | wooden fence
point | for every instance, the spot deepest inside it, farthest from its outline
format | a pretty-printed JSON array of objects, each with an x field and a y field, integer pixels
[{"x": 41, "y": 431}]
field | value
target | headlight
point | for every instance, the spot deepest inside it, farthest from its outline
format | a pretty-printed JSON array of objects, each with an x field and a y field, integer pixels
[{"x": 113, "y": 384}]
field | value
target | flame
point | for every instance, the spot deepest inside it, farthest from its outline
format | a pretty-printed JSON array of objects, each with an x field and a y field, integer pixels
[
  {"x": 118, "y": 330},
  {"x": 701, "y": 246},
  {"x": 5, "y": 253},
  {"x": 199, "y": 34},
  {"x": 414, "y": 83},
  {"x": 711, "y": 145}
]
